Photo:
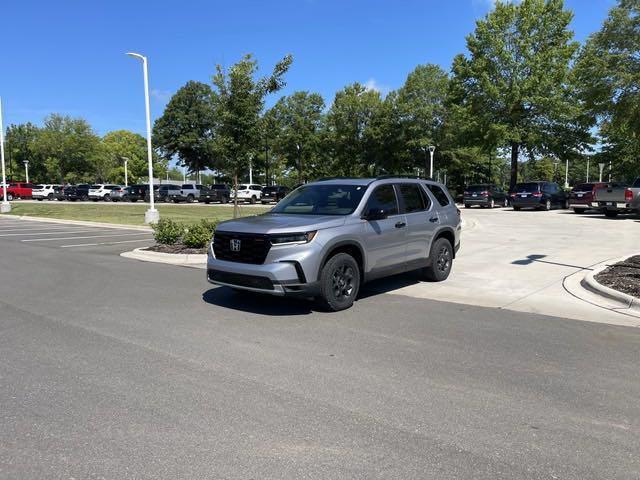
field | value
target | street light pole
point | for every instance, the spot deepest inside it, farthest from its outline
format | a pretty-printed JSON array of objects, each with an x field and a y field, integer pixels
[
  {"x": 250, "y": 171},
  {"x": 126, "y": 171},
  {"x": 151, "y": 215},
  {"x": 299, "y": 163},
  {"x": 6, "y": 206},
  {"x": 566, "y": 174},
  {"x": 601, "y": 165},
  {"x": 26, "y": 170},
  {"x": 588, "y": 161},
  {"x": 432, "y": 149}
]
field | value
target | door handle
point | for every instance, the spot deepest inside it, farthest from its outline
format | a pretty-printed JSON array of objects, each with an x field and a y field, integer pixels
[
  {"x": 433, "y": 219},
  {"x": 401, "y": 225}
]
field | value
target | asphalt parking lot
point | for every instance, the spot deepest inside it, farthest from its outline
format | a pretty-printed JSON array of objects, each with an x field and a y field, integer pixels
[{"x": 113, "y": 368}]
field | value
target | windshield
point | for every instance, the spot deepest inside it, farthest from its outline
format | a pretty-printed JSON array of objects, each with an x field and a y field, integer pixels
[
  {"x": 477, "y": 188},
  {"x": 527, "y": 187},
  {"x": 322, "y": 200},
  {"x": 636, "y": 184}
]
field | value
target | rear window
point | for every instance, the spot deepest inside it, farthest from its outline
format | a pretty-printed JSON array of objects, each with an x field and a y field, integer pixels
[
  {"x": 242, "y": 187},
  {"x": 270, "y": 189},
  {"x": 636, "y": 184},
  {"x": 477, "y": 188},
  {"x": 584, "y": 187},
  {"x": 38, "y": 187},
  {"x": 527, "y": 187},
  {"x": 442, "y": 197}
]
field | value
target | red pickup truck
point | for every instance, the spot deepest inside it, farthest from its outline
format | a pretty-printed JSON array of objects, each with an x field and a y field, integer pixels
[{"x": 16, "y": 190}]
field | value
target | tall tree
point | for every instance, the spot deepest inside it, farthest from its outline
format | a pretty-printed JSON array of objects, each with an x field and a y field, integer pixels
[
  {"x": 421, "y": 106},
  {"x": 298, "y": 119},
  {"x": 186, "y": 127},
  {"x": 609, "y": 72},
  {"x": 238, "y": 103},
  {"x": 517, "y": 79},
  {"x": 20, "y": 147},
  {"x": 67, "y": 146},
  {"x": 348, "y": 124},
  {"x": 121, "y": 145}
]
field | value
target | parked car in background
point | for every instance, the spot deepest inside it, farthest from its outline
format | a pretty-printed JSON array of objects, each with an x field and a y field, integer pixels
[
  {"x": 248, "y": 193},
  {"x": 539, "y": 195},
  {"x": 117, "y": 193},
  {"x": 218, "y": 192},
  {"x": 17, "y": 190},
  {"x": 583, "y": 195},
  {"x": 101, "y": 192},
  {"x": 613, "y": 199},
  {"x": 164, "y": 192},
  {"x": 328, "y": 237},
  {"x": 138, "y": 192},
  {"x": 48, "y": 192},
  {"x": 77, "y": 192},
  {"x": 485, "y": 195},
  {"x": 274, "y": 193},
  {"x": 188, "y": 192}
]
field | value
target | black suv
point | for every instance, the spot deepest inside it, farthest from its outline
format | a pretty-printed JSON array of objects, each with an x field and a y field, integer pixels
[
  {"x": 539, "y": 195},
  {"x": 218, "y": 192},
  {"x": 274, "y": 193},
  {"x": 77, "y": 192},
  {"x": 133, "y": 193},
  {"x": 485, "y": 195}
]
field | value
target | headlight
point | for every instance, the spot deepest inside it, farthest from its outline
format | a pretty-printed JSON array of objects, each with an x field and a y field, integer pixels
[{"x": 284, "y": 238}]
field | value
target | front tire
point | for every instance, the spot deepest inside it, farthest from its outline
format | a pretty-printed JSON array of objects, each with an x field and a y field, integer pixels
[
  {"x": 492, "y": 203},
  {"x": 547, "y": 205},
  {"x": 253, "y": 199},
  {"x": 466, "y": 205},
  {"x": 339, "y": 282},
  {"x": 440, "y": 261},
  {"x": 505, "y": 203},
  {"x": 50, "y": 197},
  {"x": 190, "y": 199}
]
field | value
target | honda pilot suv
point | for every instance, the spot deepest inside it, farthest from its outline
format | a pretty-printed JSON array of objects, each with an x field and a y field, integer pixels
[{"x": 328, "y": 237}]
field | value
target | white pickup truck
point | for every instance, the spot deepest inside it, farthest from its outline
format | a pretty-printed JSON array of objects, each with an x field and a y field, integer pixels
[
  {"x": 614, "y": 199},
  {"x": 186, "y": 193}
]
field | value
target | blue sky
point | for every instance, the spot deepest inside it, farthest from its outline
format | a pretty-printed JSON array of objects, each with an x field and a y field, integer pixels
[{"x": 67, "y": 56}]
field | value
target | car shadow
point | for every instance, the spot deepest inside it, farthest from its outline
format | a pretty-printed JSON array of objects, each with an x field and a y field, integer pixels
[
  {"x": 264, "y": 304},
  {"x": 257, "y": 303}
]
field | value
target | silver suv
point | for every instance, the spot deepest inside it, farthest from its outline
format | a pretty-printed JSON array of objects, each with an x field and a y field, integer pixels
[{"x": 326, "y": 238}]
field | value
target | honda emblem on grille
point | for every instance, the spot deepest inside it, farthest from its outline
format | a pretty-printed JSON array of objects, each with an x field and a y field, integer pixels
[{"x": 234, "y": 244}]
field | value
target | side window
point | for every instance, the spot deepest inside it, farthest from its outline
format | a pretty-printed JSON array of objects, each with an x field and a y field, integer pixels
[
  {"x": 413, "y": 197},
  {"x": 442, "y": 198},
  {"x": 384, "y": 198}
]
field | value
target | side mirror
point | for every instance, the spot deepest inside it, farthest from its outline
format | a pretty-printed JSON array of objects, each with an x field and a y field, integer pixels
[{"x": 375, "y": 214}]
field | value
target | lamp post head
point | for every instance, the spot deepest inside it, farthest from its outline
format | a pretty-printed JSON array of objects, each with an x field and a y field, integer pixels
[
  {"x": 432, "y": 148},
  {"x": 137, "y": 55}
]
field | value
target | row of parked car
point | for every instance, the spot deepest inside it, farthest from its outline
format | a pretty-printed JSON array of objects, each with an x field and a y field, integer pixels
[
  {"x": 187, "y": 192},
  {"x": 608, "y": 198}
]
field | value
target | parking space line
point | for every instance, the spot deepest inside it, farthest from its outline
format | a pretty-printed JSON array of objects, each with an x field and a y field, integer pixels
[
  {"x": 46, "y": 233},
  {"x": 36, "y": 228},
  {"x": 81, "y": 238},
  {"x": 105, "y": 243}
]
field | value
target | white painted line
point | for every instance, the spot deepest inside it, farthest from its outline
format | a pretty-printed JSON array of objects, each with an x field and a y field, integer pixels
[
  {"x": 90, "y": 236},
  {"x": 45, "y": 233},
  {"x": 31, "y": 229},
  {"x": 105, "y": 243}
]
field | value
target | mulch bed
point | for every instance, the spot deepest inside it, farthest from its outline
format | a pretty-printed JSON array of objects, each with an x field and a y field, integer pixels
[
  {"x": 623, "y": 276},
  {"x": 177, "y": 248}
]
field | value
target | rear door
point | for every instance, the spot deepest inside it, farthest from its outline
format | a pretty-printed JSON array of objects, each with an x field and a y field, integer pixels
[
  {"x": 421, "y": 218},
  {"x": 385, "y": 240}
]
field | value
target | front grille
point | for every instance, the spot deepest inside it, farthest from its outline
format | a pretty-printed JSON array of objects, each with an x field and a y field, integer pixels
[
  {"x": 253, "y": 248},
  {"x": 241, "y": 280}
]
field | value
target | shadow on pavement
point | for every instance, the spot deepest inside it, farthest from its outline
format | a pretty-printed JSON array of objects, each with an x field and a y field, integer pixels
[{"x": 261, "y": 304}]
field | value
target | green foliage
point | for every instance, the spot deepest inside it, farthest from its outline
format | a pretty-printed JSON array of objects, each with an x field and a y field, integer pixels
[
  {"x": 608, "y": 72},
  {"x": 198, "y": 235},
  {"x": 20, "y": 144},
  {"x": 187, "y": 125},
  {"x": 516, "y": 81},
  {"x": 167, "y": 231},
  {"x": 239, "y": 99},
  {"x": 118, "y": 145}
]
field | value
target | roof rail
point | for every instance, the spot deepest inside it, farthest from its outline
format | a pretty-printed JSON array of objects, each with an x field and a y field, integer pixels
[
  {"x": 416, "y": 177},
  {"x": 326, "y": 179}
]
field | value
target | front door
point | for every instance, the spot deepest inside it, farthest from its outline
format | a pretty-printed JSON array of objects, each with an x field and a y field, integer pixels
[{"x": 385, "y": 240}]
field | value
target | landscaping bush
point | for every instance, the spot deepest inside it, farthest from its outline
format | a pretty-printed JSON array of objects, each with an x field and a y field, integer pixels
[
  {"x": 198, "y": 235},
  {"x": 167, "y": 232}
]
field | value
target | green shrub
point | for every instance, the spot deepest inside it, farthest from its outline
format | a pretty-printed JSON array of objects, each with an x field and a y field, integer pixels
[
  {"x": 167, "y": 232},
  {"x": 197, "y": 235}
]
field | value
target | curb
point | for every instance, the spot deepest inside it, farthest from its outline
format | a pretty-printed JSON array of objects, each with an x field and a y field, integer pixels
[
  {"x": 628, "y": 302},
  {"x": 198, "y": 260},
  {"x": 116, "y": 226}
]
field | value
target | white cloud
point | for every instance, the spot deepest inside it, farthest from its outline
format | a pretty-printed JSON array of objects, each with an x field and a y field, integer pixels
[
  {"x": 373, "y": 85},
  {"x": 162, "y": 95}
]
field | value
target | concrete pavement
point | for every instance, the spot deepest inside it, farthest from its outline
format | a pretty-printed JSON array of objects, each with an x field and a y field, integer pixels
[{"x": 120, "y": 369}]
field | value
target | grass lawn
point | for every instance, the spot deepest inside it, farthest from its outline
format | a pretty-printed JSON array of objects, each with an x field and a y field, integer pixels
[{"x": 128, "y": 213}]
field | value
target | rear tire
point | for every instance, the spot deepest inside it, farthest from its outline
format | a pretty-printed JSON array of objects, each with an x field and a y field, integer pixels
[
  {"x": 492, "y": 203},
  {"x": 547, "y": 205},
  {"x": 440, "y": 261},
  {"x": 190, "y": 199},
  {"x": 39, "y": 199},
  {"x": 466, "y": 205},
  {"x": 252, "y": 200},
  {"x": 339, "y": 282},
  {"x": 107, "y": 198},
  {"x": 50, "y": 197},
  {"x": 516, "y": 209},
  {"x": 505, "y": 203}
]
